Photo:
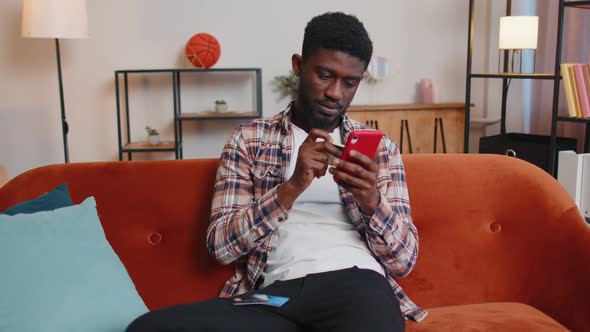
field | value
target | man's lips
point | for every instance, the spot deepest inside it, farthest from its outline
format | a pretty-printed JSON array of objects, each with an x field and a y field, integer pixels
[{"x": 328, "y": 109}]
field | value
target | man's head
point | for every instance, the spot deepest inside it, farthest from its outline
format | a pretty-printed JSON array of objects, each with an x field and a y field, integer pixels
[
  {"x": 336, "y": 52},
  {"x": 338, "y": 32}
]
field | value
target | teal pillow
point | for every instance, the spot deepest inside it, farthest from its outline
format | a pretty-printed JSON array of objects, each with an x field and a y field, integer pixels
[
  {"x": 59, "y": 273},
  {"x": 55, "y": 199}
]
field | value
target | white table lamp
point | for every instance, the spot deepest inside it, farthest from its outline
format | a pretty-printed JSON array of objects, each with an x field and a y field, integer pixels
[{"x": 518, "y": 33}]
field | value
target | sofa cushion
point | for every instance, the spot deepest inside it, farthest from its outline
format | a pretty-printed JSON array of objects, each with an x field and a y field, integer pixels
[
  {"x": 488, "y": 317},
  {"x": 54, "y": 199},
  {"x": 59, "y": 273}
]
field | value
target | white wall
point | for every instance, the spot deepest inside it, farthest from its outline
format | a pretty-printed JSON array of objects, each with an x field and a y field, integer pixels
[{"x": 425, "y": 38}]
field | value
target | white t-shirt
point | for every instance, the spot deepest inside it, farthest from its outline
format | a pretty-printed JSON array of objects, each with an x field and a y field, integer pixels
[{"x": 318, "y": 235}]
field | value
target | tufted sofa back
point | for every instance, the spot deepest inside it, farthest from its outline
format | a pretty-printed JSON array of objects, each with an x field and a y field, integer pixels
[
  {"x": 491, "y": 229},
  {"x": 155, "y": 215}
]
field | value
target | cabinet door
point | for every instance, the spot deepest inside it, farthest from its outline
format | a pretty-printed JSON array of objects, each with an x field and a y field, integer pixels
[
  {"x": 387, "y": 121},
  {"x": 421, "y": 127},
  {"x": 454, "y": 124},
  {"x": 422, "y": 130}
]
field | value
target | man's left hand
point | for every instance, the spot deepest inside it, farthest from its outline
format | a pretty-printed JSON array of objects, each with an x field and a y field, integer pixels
[{"x": 359, "y": 176}]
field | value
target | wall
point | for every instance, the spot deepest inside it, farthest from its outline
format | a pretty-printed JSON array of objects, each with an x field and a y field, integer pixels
[{"x": 421, "y": 39}]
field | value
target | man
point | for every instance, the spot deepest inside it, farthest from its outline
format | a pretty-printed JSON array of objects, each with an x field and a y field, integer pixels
[{"x": 334, "y": 250}]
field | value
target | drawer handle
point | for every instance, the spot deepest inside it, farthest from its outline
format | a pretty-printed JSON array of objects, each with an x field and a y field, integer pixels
[{"x": 510, "y": 153}]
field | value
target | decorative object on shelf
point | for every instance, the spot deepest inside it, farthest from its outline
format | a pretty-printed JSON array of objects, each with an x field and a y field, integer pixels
[
  {"x": 517, "y": 33},
  {"x": 56, "y": 19},
  {"x": 377, "y": 69},
  {"x": 153, "y": 136},
  {"x": 220, "y": 106},
  {"x": 203, "y": 50},
  {"x": 428, "y": 92},
  {"x": 286, "y": 85}
]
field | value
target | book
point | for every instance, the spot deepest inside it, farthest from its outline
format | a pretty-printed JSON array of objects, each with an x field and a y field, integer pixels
[
  {"x": 582, "y": 90},
  {"x": 586, "y": 71},
  {"x": 575, "y": 93},
  {"x": 569, "y": 90}
]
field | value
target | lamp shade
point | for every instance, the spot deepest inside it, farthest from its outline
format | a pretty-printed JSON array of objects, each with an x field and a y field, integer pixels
[
  {"x": 518, "y": 32},
  {"x": 54, "y": 19}
]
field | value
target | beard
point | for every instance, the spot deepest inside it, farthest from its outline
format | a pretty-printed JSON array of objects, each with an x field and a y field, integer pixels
[{"x": 310, "y": 111}]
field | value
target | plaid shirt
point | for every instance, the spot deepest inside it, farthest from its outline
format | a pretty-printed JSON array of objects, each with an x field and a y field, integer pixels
[{"x": 246, "y": 211}]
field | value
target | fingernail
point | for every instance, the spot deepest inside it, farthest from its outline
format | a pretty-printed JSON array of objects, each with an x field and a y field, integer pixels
[
  {"x": 353, "y": 153},
  {"x": 336, "y": 162}
]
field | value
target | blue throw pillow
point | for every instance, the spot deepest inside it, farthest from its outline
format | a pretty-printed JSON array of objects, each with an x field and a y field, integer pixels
[
  {"x": 59, "y": 273},
  {"x": 55, "y": 199}
]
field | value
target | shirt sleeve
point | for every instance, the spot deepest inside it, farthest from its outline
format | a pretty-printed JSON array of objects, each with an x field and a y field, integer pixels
[
  {"x": 390, "y": 232},
  {"x": 239, "y": 221}
]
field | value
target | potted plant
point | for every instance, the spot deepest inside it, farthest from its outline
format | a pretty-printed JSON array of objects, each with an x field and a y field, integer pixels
[
  {"x": 286, "y": 85},
  {"x": 220, "y": 105},
  {"x": 153, "y": 135}
]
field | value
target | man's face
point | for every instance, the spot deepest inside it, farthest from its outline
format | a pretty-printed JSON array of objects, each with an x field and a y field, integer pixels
[{"x": 328, "y": 81}]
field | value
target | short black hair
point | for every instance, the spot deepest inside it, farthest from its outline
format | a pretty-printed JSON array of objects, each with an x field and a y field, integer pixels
[{"x": 340, "y": 32}]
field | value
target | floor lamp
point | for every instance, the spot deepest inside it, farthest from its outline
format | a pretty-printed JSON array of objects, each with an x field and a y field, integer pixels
[{"x": 56, "y": 19}]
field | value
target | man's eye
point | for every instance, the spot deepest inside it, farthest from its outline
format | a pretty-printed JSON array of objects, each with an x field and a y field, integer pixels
[
  {"x": 350, "y": 84},
  {"x": 324, "y": 76}
]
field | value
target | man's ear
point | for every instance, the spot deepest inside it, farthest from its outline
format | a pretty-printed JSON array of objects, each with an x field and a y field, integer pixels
[{"x": 296, "y": 62}]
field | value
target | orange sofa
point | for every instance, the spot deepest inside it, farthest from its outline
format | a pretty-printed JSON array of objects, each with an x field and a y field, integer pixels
[{"x": 502, "y": 246}]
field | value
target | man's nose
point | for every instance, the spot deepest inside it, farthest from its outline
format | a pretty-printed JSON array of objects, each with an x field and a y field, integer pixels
[{"x": 334, "y": 90}]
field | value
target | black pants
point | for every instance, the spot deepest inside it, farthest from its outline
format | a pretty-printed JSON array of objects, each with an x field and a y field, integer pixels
[{"x": 350, "y": 300}]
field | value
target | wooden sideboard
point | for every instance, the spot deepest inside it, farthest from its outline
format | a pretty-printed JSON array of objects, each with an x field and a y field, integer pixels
[{"x": 420, "y": 121}]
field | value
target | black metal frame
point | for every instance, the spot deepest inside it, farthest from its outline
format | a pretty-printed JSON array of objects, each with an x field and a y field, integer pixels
[
  {"x": 555, "y": 77},
  {"x": 176, "y": 106},
  {"x": 64, "y": 123}
]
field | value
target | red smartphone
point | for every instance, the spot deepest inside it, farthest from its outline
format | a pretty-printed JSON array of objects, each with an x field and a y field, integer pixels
[{"x": 364, "y": 141}]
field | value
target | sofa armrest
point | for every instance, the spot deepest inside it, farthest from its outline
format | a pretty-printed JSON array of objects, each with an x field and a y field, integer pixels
[{"x": 562, "y": 288}]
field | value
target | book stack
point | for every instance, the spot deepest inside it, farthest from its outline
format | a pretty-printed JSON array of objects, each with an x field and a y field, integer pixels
[{"x": 576, "y": 81}]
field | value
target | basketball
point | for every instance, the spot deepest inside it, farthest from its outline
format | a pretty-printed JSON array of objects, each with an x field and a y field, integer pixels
[{"x": 203, "y": 50}]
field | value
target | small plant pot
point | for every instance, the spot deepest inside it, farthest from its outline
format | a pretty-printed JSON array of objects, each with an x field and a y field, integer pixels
[
  {"x": 220, "y": 107},
  {"x": 154, "y": 139}
]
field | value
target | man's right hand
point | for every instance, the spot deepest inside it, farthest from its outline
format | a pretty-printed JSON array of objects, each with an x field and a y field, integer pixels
[{"x": 312, "y": 162}]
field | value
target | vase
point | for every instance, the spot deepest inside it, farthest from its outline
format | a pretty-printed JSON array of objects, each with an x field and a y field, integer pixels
[
  {"x": 154, "y": 139},
  {"x": 220, "y": 107}
]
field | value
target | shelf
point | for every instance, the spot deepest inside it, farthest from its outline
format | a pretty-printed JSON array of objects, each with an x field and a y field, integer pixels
[
  {"x": 217, "y": 116},
  {"x": 532, "y": 76},
  {"x": 568, "y": 119},
  {"x": 177, "y": 116},
  {"x": 145, "y": 147},
  {"x": 549, "y": 162},
  {"x": 577, "y": 4}
]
